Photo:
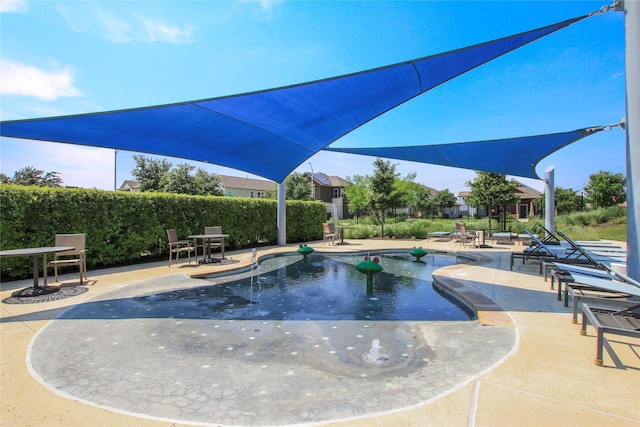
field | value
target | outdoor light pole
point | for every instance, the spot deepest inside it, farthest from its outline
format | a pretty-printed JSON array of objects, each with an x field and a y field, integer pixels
[
  {"x": 311, "y": 179},
  {"x": 115, "y": 169}
]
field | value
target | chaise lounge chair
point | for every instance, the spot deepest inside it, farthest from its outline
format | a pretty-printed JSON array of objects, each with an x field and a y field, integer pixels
[
  {"x": 544, "y": 252},
  {"x": 606, "y": 250},
  {"x": 574, "y": 254},
  {"x": 587, "y": 288},
  {"x": 623, "y": 320}
]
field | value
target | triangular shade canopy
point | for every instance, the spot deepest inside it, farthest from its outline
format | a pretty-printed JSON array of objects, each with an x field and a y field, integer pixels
[
  {"x": 512, "y": 156},
  {"x": 272, "y": 132}
]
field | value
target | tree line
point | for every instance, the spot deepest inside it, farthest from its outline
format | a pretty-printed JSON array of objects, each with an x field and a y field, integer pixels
[
  {"x": 382, "y": 194},
  {"x": 32, "y": 176},
  {"x": 386, "y": 192}
]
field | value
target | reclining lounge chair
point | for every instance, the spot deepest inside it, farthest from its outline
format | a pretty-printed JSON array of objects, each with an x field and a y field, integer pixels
[
  {"x": 559, "y": 253},
  {"x": 622, "y": 320}
]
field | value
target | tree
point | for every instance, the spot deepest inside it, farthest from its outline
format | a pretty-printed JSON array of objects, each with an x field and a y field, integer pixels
[
  {"x": 157, "y": 175},
  {"x": 491, "y": 190},
  {"x": 384, "y": 195},
  {"x": 566, "y": 200},
  {"x": 444, "y": 199},
  {"x": 426, "y": 203},
  {"x": 411, "y": 193},
  {"x": 606, "y": 189},
  {"x": 297, "y": 186},
  {"x": 32, "y": 176},
  {"x": 208, "y": 184},
  {"x": 357, "y": 193},
  {"x": 179, "y": 180},
  {"x": 149, "y": 172}
]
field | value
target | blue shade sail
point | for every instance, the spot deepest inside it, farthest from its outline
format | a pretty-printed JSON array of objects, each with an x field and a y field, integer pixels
[
  {"x": 269, "y": 133},
  {"x": 511, "y": 156}
]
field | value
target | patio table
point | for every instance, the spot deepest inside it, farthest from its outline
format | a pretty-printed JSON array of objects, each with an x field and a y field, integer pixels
[
  {"x": 501, "y": 237},
  {"x": 341, "y": 232},
  {"x": 34, "y": 253},
  {"x": 205, "y": 238},
  {"x": 438, "y": 234}
]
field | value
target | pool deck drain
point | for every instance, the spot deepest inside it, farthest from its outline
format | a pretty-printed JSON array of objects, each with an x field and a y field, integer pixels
[{"x": 549, "y": 379}]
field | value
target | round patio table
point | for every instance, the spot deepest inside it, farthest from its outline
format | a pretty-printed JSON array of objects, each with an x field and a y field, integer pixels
[
  {"x": 205, "y": 238},
  {"x": 34, "y": 253}
]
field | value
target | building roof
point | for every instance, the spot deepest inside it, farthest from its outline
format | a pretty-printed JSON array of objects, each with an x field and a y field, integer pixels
[
  {"x": 226, "y": 180},
  {"x": 246, "y": 183},
  {"x": 329, "y": 180},
  {"x": 134, "y": 185},
  {"x": 431, "y": 191},
  {"x": 524, "y": 191}
]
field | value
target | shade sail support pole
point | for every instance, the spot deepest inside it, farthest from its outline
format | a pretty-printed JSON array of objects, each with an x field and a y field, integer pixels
[
  {"x": 632, "y": 72},
  {"x": 282, "y": 213},
  {"x": 549, "y": 204}
]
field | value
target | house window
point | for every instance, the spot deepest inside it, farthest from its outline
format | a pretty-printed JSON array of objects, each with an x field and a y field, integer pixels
[
  {"x": 337, "y": 192},
  {"x": 251, "y": 194}
]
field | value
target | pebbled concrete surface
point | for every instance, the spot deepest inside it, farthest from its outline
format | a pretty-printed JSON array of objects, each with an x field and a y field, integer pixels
[{"x": 86, "y": 370}]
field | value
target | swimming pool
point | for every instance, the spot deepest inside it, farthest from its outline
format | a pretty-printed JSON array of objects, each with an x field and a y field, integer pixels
[
  {"x": 149, "y": 350},
  {"x": 323, "y": 287}
]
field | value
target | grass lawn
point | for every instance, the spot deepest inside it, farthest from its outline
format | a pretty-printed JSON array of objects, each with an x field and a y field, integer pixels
[
  {"x": 616, "y": 232},
  {"x": 602, "y": 224}
]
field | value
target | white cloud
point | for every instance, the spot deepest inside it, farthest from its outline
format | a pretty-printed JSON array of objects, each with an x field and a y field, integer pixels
[
  {"x": 28, "y": 80},
  {"x": 19, "y": 6},
  {"x": 79, "y": 166},
  {"x": 158, "y": 31},
  {"x": 127, "y": 27},
  {"x": 267, "y": 8}
]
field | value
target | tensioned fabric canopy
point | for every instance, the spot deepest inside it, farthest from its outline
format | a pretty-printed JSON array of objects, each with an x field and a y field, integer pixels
[
  {"x": 511, "y": 156},
  {"x": 286, "y": 125}
]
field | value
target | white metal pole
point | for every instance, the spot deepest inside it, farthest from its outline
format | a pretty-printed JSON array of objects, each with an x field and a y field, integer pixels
[
  {"x": 312, "y": 182},
  {"x": 115, "y": 170},
  {"x": 282, "y": 213},
  {"x": 632, "y": 72},
  {"x": 549, "y": 205}
]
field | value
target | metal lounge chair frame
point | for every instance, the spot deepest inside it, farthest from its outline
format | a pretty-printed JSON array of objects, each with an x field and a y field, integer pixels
[
  {"x": 595, "y": 258},
  {"x": 541, "y": 252},
  {"x": 597, "y": 289},
  {"x": 623, "y": 320},
  {"x": 573, "y": 254}
]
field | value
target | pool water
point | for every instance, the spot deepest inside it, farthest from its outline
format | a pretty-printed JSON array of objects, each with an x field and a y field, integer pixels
[{"x": 322, "y": 287}]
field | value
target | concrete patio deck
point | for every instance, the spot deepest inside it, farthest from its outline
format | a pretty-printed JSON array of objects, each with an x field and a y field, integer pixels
[{"x": 548, "y": 379}]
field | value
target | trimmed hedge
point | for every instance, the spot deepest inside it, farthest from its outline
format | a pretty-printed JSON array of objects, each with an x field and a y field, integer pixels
[{"x": 125, "y": 228}]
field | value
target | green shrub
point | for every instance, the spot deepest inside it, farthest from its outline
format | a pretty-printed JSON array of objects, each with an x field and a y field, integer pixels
[
  {"x": 124, "y": 228},
  {"x": 361, "y": 231}
]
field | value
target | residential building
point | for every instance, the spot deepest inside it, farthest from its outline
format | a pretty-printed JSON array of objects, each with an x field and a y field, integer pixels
[
  {"x": 521, "y": 210},
  {"x": 330, "y": 190},
  {"x": 466, "y": 210},
  {"x": 235, "y": 186},
  {"x": 525, "y": 208},
  {"x": 130, "y": 186}
]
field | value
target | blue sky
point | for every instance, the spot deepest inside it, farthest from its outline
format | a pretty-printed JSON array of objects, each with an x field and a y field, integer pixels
[{"x": 60, "y": 58}]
